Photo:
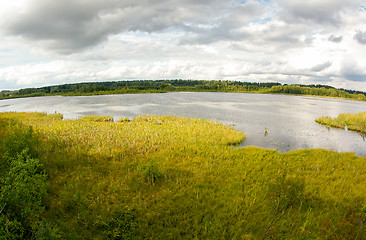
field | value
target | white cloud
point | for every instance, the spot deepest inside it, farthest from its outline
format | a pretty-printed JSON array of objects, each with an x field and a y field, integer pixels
[{"x": 32, "y": 74}]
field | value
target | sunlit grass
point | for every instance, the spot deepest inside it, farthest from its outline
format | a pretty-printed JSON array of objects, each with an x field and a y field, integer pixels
[
  {"x": 165, "y": 177},
  {"x": 356, "y": 122}
]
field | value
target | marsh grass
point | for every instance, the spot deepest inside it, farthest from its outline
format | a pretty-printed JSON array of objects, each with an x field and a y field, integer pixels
[
  {"x": 179, "y": 178},
  {"x": 92, "y": 118},
  {"x": 356, "y": 122}
]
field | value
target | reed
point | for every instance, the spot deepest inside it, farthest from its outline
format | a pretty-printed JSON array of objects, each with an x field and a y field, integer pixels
[
  {"x": 351, "y": 121},
  {"x": 166, "y": 177}
]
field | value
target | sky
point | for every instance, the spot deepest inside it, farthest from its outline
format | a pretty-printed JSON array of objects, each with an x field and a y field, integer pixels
[{"x": 51, "y": 42}]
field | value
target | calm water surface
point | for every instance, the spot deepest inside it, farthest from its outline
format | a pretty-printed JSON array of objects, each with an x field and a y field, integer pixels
[{"x": 288, "y": 119}]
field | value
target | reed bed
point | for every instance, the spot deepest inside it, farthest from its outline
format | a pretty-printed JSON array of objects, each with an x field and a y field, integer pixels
[
  {"x": 351, "y": 121},
  {"x": 166, "y": 177}
]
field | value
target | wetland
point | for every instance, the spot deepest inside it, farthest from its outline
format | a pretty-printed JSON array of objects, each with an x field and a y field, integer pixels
[{"x": 289, "y": 120}]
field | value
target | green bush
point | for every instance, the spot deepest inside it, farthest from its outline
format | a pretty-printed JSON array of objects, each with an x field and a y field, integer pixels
[
  {"x": 122, "y": 225},
  {"x": 46, "y": 231},
  {"x": 22, "y": 187}
]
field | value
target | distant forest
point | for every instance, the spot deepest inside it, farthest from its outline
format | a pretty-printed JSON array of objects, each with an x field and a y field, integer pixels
[{"x": 162, "y": 86}]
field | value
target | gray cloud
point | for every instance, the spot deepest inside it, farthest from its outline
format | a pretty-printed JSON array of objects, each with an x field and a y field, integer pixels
[
  {"x": 229, "y": 27},
  {"x": 353, "y": 70},
  {"x": 360, "y": 36},
  {"x": 250, "y": 27},
  {"x": 321, "y": 67},
  {"x": 70, "y": 25},
  {"x": 320, "y": 12},
  {"x": 335, "y": 39},
  {"x": 355, "y": 77}
]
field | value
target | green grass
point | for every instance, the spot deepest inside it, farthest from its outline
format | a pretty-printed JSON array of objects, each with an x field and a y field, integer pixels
[
  {"x": 180, "y": 178},
  {"x": 356, "y": 122}
]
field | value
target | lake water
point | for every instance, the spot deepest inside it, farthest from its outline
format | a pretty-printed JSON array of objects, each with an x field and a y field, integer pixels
[{"x": 289, "y": 120}]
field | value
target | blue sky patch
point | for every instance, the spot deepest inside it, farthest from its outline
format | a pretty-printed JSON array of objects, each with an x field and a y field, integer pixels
[{"x": 261, "y": 20}]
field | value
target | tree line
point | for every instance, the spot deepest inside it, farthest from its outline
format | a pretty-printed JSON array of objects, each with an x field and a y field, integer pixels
[{"x": 161, "y": 86}]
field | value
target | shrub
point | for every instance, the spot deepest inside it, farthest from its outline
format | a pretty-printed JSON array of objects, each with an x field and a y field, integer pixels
[
  {"x": 122, "y": 225},
  {"x": 46, "y": 231},
  {"x": 22, "y": 187},
  {"x": 21, "y": 195}
]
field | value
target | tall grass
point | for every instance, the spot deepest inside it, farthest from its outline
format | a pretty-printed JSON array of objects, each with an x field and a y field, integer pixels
[
  {"x": 356, "y": 122},
  {"x": 179, "y": 178}
]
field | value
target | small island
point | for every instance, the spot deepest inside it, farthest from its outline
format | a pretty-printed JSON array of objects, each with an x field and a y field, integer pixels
[{"x": 348, "y": 121}]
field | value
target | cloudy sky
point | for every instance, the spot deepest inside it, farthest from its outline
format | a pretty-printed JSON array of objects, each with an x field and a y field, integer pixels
[{"x": 49, "y": 42}]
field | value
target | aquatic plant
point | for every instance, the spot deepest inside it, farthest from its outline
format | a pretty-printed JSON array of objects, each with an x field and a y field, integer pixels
[{"x": 356, "y": 122}]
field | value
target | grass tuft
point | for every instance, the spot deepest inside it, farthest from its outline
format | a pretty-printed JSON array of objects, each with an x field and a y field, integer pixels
[{"x": 356, "y": 122}]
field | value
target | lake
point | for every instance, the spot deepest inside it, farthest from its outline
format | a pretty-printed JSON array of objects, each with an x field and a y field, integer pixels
[{"x": 289, "y": 120}]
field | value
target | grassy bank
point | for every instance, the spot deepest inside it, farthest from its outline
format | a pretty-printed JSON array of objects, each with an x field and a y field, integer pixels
[
  {"x": 356, "y": 122},
  {"x": 180, "y": 178}
]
